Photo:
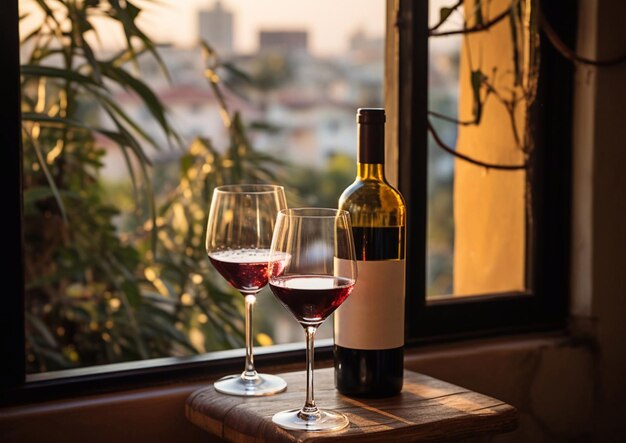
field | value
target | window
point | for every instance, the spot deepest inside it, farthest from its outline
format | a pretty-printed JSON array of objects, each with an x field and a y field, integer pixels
[
  {"x": 534, "y": 293},
  {"x": 252, "y": 95},
  {"x": 540, "y": 303}
]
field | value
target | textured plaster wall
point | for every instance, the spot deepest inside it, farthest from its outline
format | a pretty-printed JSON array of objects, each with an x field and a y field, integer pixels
[
  {"x": 608, "y": 224},
  {"x": 574, "y": 388},
  {"x": 549, "y": 380}
]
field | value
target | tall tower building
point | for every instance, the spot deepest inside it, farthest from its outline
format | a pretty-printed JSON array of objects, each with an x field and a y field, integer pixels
[{"x": 216, "y": 28}]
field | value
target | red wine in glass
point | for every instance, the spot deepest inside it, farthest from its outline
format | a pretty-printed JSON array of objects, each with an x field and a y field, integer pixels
[
  {"x": 238, "y": 238},
  {"x": 317, "y": 278},
  {"x": 311, "y": 298},
  {"x": 245, "y": 269}
]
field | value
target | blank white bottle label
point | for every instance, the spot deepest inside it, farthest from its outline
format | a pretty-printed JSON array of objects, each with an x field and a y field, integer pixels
[{"x": 373, "y": 315}]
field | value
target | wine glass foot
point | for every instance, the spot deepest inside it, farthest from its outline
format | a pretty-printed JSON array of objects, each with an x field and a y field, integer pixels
[
  {"x": 325, "y": 420},
  {"x": 265, "y": 384}
]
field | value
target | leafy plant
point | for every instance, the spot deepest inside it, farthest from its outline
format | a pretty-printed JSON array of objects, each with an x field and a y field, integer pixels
[{"x": 94, "y": 296}]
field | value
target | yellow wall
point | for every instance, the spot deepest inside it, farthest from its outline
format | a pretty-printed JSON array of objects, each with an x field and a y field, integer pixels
[{"x": 489, "y": 205}]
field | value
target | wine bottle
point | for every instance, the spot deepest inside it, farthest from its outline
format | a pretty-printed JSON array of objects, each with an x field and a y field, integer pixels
[{"x": 369, "y": 326}]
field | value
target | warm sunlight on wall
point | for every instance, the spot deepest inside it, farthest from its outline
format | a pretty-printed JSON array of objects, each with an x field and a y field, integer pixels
[{"x": 489, "y": 205}]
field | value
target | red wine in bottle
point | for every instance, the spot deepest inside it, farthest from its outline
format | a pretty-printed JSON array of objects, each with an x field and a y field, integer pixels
[{"x": 369, "y": 326}]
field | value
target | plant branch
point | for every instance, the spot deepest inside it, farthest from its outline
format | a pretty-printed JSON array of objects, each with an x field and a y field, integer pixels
[
  {"x": 509, "y": 105},
  {"x": 478, "y": 28},
  {"x": 443, "y": 20},
  {"x": 452, "y": 119},
  {"x": 210, "y": 73},
  {"x": 474, "y": 121},
  {"x": 469, "y": 159},
  {"x": 569, "y": 53}
]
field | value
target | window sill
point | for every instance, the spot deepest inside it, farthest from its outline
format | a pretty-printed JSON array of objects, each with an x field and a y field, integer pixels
[
  {"x": 505, "y": 368},
  {"x": 58, "y": 385}
]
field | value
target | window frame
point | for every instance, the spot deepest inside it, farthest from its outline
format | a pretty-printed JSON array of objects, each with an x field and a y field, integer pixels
[
  {"x": 12, "y": 316},
  {"x": 545, "y": 308}
]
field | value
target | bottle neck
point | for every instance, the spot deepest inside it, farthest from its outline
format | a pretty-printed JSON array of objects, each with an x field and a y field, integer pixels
[
  {"x": 371, "y": 150},
  {"x": 370, "y": 171},
  {"x": 371, "y": 143}
]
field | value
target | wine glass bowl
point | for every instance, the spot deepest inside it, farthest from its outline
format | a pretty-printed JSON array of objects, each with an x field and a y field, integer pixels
[
  {"x": 312, "y": 270},
  {"x": 245, "y": 269},
  {"x": 311, "y": 298},
  {"x": 239, "y": 234}
]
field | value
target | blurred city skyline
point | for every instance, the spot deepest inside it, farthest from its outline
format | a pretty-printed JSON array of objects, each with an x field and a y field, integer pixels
[
  {"x": 176, "y": 22},
  {"x": 297, "y": 100},
  {"x": 328, "y": 33}
]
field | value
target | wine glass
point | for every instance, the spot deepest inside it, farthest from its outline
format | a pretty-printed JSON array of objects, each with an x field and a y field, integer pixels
[
  {"x": 317, "y": 276},
  {"x": 238, "y": 238}
]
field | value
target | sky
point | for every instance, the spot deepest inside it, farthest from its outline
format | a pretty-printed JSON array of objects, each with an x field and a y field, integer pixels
[
  {"x": 328, "y": 32},
  {"x": 330, "y": 22}
]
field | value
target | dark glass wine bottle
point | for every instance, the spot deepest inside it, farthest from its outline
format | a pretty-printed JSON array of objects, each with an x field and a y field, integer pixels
[{"x": 369, "y": 326}]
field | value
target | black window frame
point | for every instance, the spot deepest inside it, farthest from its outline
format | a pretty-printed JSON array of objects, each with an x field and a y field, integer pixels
[
  {"x": 544, "y": 309},
  {"x": 545, "y": 305}
]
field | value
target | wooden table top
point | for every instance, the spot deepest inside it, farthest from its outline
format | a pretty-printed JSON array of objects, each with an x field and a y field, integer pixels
[{"x": 427, "y": 409}]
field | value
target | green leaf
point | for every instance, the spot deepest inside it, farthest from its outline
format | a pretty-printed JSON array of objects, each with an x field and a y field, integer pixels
[
  {"x": 80, "y": 313},
  {"x": 478, "y": 13},
  {"x": 34, "y": 33},
  {"x": 44, "y": 6},
  {"x": 49, "y": 178},
  {"x": 186, "y": 162},
  {"x": 131, "y": 290},
  {"x": 154, "y": 298},
  {"x": 122, "y": 138},
  {"x": 132, "y": 10},
  {"x": 119, "y": 13},
  {"x": 477, "y": 78},
  {"x": 35, "y": 194},
  {"x": 65, "y": 74},
  {"x": 444, "y": 13},
  {"x": 265, "y": 127},
  {"x": 126, "y": 16},
  {"x": 43, "y": 330},
  {"x": 80, "y": 25},
  {"x": 130, "y": 168},
  {"x": 164, "y": 327},
  {"x": 149, "y": 98},
  {"x": 54, "y": 359},
  {"x": 236, "y": 72},
  {"x": 112, "y": 108}
]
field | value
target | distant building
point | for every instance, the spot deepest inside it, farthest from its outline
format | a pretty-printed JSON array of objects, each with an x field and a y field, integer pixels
[
  {"x": 359, "y": 40},
  {"x": 284, "y": 42},
  {"x": 364, "y": 48},
  {"x": 216, "y": 28}
]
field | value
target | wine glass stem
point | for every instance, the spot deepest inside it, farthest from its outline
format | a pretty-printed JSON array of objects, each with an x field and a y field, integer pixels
[
  {"x": 309, "y": 410},
  {"x": 249, "y": 374}
]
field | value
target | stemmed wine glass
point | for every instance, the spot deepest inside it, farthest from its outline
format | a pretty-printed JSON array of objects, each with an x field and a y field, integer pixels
[
  {"x": 238, "y": 238},
  {"x": 318, "y": 276}
]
